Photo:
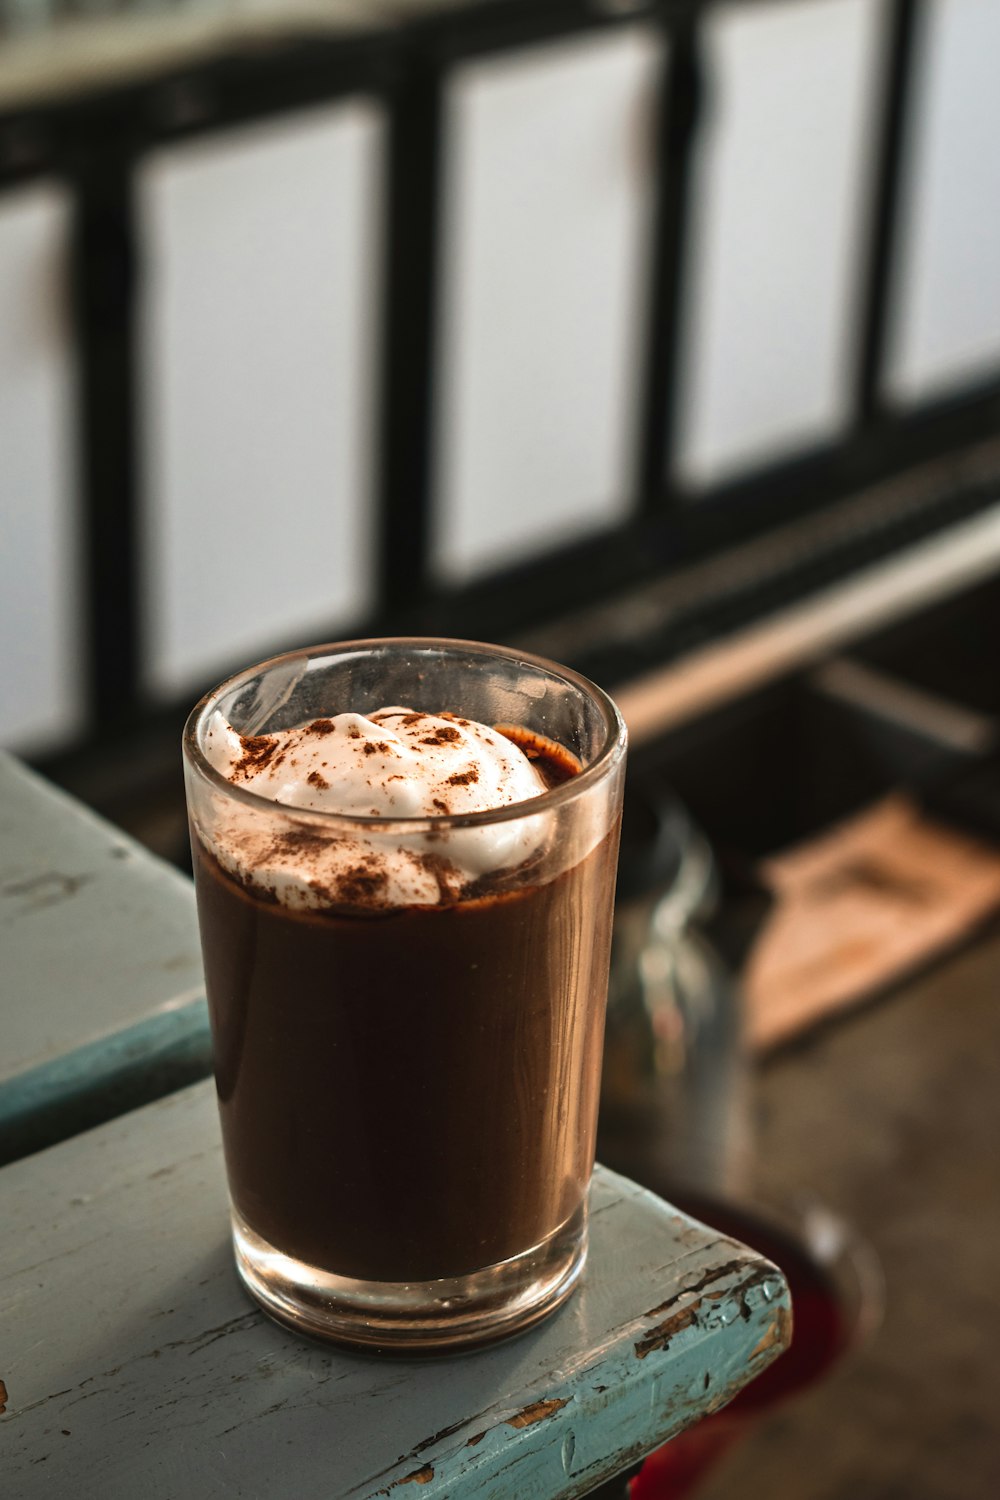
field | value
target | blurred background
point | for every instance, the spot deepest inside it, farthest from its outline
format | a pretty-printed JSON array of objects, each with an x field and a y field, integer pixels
[{"x": 659, "y": 336}]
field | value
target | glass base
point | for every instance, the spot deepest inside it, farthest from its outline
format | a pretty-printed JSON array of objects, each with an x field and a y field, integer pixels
[{"x": 454, "y": 1313}]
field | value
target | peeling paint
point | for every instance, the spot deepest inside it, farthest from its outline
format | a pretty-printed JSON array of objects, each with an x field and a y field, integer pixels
[
  {"x": 4, "y": 1398},
  {"x": 731, "y": 1268},
  {"x": 722, "y": 1398},
  {"x": 477, "y": 1439},
  {"x": 537, "y": 1412},
  {"x": 419, "y": 1476},
  {"x": 760, "y": 1279},
  {"x": 660, "y": 1336},
  {"x": 777, "y": 1334},
  {"x": 438, "y": 1436}
]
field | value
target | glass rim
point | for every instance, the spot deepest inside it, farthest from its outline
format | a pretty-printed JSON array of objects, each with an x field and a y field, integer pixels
[{"x": 608, "y": 756}]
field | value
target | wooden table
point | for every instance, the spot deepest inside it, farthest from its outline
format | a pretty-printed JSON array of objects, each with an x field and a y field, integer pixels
[
  {"x": 132, "y": 1364},
  {"x": 135, "y": 1367},
  {"x": 101, "y": 988}
]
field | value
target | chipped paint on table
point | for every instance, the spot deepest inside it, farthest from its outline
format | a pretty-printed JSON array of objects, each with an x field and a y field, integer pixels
[
  {"x": 100, "y": 965},
  {"x": 134, "y": 1364}
]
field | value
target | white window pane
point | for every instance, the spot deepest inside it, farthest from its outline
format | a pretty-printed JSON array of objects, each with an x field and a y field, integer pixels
[
  {"x": 259, "y": 334},
  {"x": 777, "y": 230},
  {"x": 947, "y": 324},
  {"x": 41, "y": 670},
  {"x": 548, "y": 194}
]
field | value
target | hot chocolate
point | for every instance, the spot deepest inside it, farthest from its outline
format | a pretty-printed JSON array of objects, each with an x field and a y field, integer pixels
[
  {"x": 387, "y": 1072},
  {"x": 405, "y": 918}
]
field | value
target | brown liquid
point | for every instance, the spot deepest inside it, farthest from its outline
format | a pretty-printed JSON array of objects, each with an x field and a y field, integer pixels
[{"x": 409, "y": 1094}]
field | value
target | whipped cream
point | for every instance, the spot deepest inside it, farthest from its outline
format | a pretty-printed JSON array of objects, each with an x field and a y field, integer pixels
[{"x": 395, "y": 763}]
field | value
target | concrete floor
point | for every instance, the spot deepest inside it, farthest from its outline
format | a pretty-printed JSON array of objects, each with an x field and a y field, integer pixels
[{"x": 893, "y": 1117}]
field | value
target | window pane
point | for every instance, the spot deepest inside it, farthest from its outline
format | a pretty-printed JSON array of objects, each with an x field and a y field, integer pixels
[
  {"x": 259, "y": 338},
  {"x": 947, "y": 325},
  {"x": 548, "y": 192},
  {"x": 784, "y": 169},
  {"x": 41, "y": 666}
]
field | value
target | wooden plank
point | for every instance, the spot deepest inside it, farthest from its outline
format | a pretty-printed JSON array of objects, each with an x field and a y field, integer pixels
[
  {"x": 101, "y": 990},
  {"x": 134, "y": 1364},
  {"x": 829, "y": 620}
]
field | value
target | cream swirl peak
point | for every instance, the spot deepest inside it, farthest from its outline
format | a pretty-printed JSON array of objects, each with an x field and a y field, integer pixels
[{"x": 395, "y": 763}]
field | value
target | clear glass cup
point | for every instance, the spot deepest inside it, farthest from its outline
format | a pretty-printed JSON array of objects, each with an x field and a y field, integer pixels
[{"x": 409, "y": 1094}]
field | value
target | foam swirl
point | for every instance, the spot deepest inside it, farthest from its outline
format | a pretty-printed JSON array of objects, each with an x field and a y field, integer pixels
[{"x": 395, "y": 763}]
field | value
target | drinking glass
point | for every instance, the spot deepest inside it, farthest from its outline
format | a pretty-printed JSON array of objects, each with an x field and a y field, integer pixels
[{"x": 408, "y": 1093}]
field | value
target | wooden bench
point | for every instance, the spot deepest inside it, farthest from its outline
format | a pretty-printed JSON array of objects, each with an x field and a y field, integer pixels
[
  {"x": 101, "y": 989},
  {"x": 135, "y": 1366}
]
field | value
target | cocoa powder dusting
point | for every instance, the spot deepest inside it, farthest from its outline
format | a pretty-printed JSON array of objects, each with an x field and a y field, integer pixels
[
  {"x": 315, "y": 779},
  {"x": 257, "y": 752},
  {"x": 300, "y": 840},
  {"x": 440, "y": 868},
  {"x": 354, "y": 732},
  {"x": 464, "y": 778},
  {"x": 362, "y": 884},
  {"x": 321, "y": 726},
  {"x": 446, "y": 736}
]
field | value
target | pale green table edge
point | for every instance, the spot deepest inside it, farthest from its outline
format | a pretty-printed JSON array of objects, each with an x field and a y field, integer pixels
[
  {"x": 135, "y": 1365},
  {"x": 101, "y": 987},
  {"x": 104, "y": 1078}
]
